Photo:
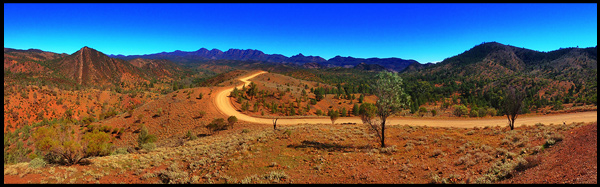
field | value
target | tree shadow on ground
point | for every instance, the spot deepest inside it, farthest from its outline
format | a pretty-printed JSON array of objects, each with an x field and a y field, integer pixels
[{"x": 329, "y": 146}]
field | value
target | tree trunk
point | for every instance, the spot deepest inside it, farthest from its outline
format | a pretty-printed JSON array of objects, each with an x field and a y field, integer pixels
[
  {"x": 383, "y": 133},
  {"x": 511, "y": 121}
]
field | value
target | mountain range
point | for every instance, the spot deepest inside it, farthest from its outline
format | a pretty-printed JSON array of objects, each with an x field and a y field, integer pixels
[
  {"x": 203, "y": 54},
  {"x": 489, "y": 60}
]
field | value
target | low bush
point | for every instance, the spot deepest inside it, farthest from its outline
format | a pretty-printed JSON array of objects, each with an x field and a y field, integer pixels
[
  {"x": 98, "y": 143},
  {"x": 37, "y": 163},
  {"x": 217, "y": 124},
  {"x": 59, "y": 143},
  {"x": 460, "y": 110},
  {"x": 146, "y": 140},
  {"x": 231, "y": 120},
  {"x": 191, "y": 136}
]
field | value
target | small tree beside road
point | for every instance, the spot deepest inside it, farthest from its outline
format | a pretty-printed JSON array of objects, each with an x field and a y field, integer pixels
[
  {"x": 512, "y": 103},
  {"x": 392, "y": 98}
]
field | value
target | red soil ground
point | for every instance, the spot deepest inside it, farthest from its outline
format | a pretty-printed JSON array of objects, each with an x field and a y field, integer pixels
[{"x": 574, "y": 161}]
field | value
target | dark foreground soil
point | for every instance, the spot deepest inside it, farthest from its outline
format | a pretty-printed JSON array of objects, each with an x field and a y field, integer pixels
[{"x": 573, "y": 161}]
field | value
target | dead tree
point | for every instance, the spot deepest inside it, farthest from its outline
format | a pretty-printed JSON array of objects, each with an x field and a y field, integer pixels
[{"x": 513, "y": 102}]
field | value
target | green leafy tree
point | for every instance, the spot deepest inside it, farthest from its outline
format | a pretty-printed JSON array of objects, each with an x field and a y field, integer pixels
[
  {"x": 355, "y": 109},
  {"x": 252, "y": 90},
  {"x": 235, "y": 93},
  {"x": 343, "y": 112},
  {"x": 391, "y": 96},
  {"x": 368, "y": 113},
  {"x": 319, "y": 94},
  {"x": 245, "y": 106},
  {"x": 292, "y": 111},
  {"x": 333, "y": 115},
  {"x": 361, "y": 98}
]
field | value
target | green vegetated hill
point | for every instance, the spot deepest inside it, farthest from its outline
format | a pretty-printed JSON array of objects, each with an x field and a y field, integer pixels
[{"x": 480, "y": 74}]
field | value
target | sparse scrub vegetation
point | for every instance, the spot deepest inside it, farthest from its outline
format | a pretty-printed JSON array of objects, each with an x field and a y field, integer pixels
[{"x": 499, "y": 157}]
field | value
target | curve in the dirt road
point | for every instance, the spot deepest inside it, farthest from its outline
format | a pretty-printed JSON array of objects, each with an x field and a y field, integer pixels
[{"x": 224, "y": 105}]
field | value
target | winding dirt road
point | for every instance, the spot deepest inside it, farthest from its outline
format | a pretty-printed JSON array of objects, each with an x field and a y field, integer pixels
[{"x": 224, "y": 106}]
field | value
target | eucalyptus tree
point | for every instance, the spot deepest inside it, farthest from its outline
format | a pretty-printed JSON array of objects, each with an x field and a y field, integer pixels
[{"x": 392, "y": 98}]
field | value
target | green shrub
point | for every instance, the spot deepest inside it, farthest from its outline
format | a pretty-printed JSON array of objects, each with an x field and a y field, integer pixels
[
  {"x": 148, "y": 146},
  {"x": 106, "y": 128},
  {"x": 145, "y": 139},
  {"x": 482, "y": 112},
  {"x": 191, "y": 136},
  {"x": 37, "y": 163},
  {"x": 422, "y": 111},
  {"x": 98, "y": 143},
  {"x": 319, "y": 112},
  {"x": 159, "y": 112},
  {"x": 460, "y": 110},
  {"x": 119, "y": 151},
  {"x": 217, "y": 124},
  {"x": 88, "y": 120},
  {"x": 491, "y": 111},
  {"x": 231, "y": 120},
  {"x": 553, "y": 139},
  {"x": 58, "y": 144},
  {"x": 276, "y": 176},
  {"x": 474, "y": 113}
]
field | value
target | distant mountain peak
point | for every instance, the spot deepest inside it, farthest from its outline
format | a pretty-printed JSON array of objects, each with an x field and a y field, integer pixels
[
  {"x": 87, "y": 49},
  {"x": 88, "y": 66}
]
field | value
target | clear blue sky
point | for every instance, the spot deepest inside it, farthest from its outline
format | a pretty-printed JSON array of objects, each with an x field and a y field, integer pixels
[{"x": 423, "y": 32}]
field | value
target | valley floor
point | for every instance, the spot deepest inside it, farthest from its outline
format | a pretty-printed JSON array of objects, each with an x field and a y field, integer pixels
[
  {"x": 557, "y": 148},
  {"x": 223, "y": 103}
]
